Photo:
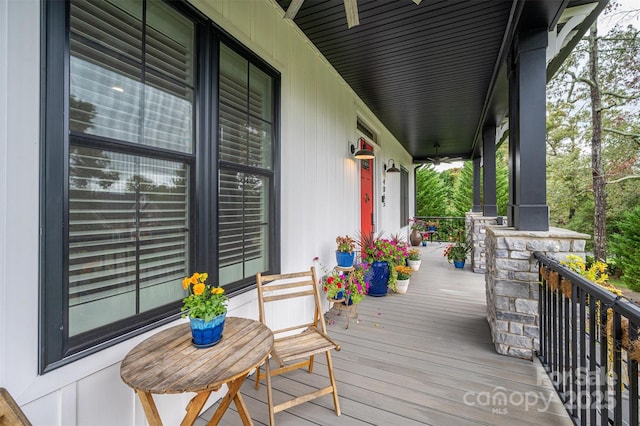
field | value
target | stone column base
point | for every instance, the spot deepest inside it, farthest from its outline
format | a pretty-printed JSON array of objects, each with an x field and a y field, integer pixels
[{"x": 512, "y": 283}]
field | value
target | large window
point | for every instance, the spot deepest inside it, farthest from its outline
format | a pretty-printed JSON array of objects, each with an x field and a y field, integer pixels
[{"x": 127, "y": 168}]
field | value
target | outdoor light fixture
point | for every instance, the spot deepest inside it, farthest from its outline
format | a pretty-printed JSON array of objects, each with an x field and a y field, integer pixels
[
  {"x": 393, "y": 168},
  {"x": 362, "y": 153}
]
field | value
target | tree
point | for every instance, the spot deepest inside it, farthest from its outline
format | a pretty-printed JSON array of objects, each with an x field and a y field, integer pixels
[
  {"x": 431, "y": 194},
  {"x": 463, "y": 190},
  {"x": 601, "y": 75},
  {"x": 626, "y": 247}
]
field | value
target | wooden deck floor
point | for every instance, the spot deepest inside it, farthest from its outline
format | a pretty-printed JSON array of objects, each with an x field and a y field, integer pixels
[{"x": 424, "y": 357}]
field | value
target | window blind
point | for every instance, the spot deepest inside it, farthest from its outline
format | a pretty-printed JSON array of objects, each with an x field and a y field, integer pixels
[
  {"x": 128, "y": 235},
  {"x": 245, "y": 141},
  {"x": 132, "y": 82}
]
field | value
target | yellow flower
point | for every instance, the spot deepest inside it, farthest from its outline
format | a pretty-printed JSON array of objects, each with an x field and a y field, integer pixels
[
  {"x": 185, "y": 282},
  {"x": 198, "y": 289},
  {"x": 195, "y": 276},
  {"x": 217, "y": 290},
  {"x": 203, "y": 277}
]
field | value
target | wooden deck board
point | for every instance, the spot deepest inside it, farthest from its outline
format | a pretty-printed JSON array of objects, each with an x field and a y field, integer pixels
[{"x": 424, "y": 357}]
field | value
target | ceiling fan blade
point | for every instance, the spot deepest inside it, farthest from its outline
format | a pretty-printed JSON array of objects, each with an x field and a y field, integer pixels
[
  {"x": 293, "y": 8},
  {"x": 351, "y": 9}
]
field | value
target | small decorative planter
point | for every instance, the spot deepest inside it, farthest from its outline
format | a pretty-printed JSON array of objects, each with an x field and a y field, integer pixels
[
  {"x": 458, "y": 263},
  {"x": 414, "y": 264},
  {"x": 207, "y": 333},
  {"x": 424, "y": 243},
  {"x": 345, "y": 259},
  {"x": 402, "y": 286},
  {"x": 379, "y": 279}
]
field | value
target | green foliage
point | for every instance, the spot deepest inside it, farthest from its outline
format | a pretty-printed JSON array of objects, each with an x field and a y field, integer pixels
[
  {"x": 463, "y": 190},
  {"x": 625, "y": 245},
  {"x": 502, "y": 179},
  {"x": 431, "y": 193}
]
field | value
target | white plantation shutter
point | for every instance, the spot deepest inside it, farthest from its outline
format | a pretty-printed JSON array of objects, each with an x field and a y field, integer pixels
[{"x": 246, "y": 164}]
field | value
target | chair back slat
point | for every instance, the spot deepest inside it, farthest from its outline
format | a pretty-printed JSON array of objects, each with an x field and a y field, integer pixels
[{"x": 288, "y": 296}]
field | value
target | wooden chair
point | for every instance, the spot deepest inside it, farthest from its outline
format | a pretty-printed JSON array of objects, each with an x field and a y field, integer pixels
[
  {"x": 10, "y": 412},
  {"x": 296, "y": 345}
]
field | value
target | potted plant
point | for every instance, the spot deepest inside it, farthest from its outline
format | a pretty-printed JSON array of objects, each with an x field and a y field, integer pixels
[
  {"x": 383, "y": 255},
  {"x": 404, "y": 275},
  {"x": 334, "y": 284},
  {"x": 457, "y": 251},
  {"x": 345, "y": 252},
  {"x": 414, "y": 259},
  {"x": 357, "y": 284},
  {"x": 206, "y": 307}
]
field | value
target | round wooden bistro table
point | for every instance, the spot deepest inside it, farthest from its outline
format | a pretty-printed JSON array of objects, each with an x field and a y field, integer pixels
[{"x": 167, "y": 362}]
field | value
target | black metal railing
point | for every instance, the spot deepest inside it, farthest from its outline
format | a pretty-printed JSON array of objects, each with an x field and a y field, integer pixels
[
  {"x": 444, "y": 227},
  {"x": 589, "y": 346}
]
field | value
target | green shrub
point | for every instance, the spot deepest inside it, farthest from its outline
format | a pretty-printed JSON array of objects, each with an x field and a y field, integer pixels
[{"x": 625, "y": 245}]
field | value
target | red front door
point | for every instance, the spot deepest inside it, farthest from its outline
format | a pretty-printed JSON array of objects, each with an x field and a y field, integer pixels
[{"x": 366, "y": 192}]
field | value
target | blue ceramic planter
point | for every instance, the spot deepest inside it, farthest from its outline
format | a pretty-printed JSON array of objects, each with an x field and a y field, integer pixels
[
  {"x": 458, "y": 264},
  {"x": 207, "y": 333},
  {"x": 378, "y": 279},
  {"x": 345, "y": 259}
]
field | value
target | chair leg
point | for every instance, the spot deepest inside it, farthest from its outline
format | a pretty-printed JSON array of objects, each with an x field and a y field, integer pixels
[
  {"x": 332, "y": 379},
  {"x": 258, "y": 375},
  {"x": 311, "y": 358},
  {"x": 267, "y": 368}
]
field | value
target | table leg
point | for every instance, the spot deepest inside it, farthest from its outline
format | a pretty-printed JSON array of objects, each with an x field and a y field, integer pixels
[
  {"x": 149, "y": 407},
  {"x": 194, "y": 407},
  {"x": 232, "y": 395}
]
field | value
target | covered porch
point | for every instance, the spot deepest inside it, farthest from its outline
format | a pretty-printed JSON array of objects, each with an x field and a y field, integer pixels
[{"x": 424, "y": 357}]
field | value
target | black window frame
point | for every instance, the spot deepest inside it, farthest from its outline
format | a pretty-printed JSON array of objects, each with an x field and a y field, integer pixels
[{"x": 55, "y": 348}]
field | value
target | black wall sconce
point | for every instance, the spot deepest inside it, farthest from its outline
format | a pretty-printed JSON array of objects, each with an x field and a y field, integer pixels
[
  {"x": 393, "y": 168},
  {"x": 362, "y": 153}
]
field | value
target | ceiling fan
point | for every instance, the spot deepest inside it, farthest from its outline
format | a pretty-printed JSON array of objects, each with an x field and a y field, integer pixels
[
  {"x": 350, "y": 7},
  {"x": 435, "y": 160}
]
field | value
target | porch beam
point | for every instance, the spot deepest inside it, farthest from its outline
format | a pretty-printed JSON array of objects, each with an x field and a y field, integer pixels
[{"x": 528, "y": 208}]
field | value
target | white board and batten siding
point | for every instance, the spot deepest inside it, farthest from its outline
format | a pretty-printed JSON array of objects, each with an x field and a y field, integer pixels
[{"x": 319, "y": 200}]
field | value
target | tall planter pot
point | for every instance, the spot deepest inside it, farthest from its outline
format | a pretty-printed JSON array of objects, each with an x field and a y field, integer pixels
[
  {"x": 415, "y": 237},
  {"x": 379, "y": 279}
]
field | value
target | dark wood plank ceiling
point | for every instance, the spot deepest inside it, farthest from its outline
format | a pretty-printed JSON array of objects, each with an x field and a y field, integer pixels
[
  {"x": 424, "y": 70},
  {"x": 429, "y": 72}
]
